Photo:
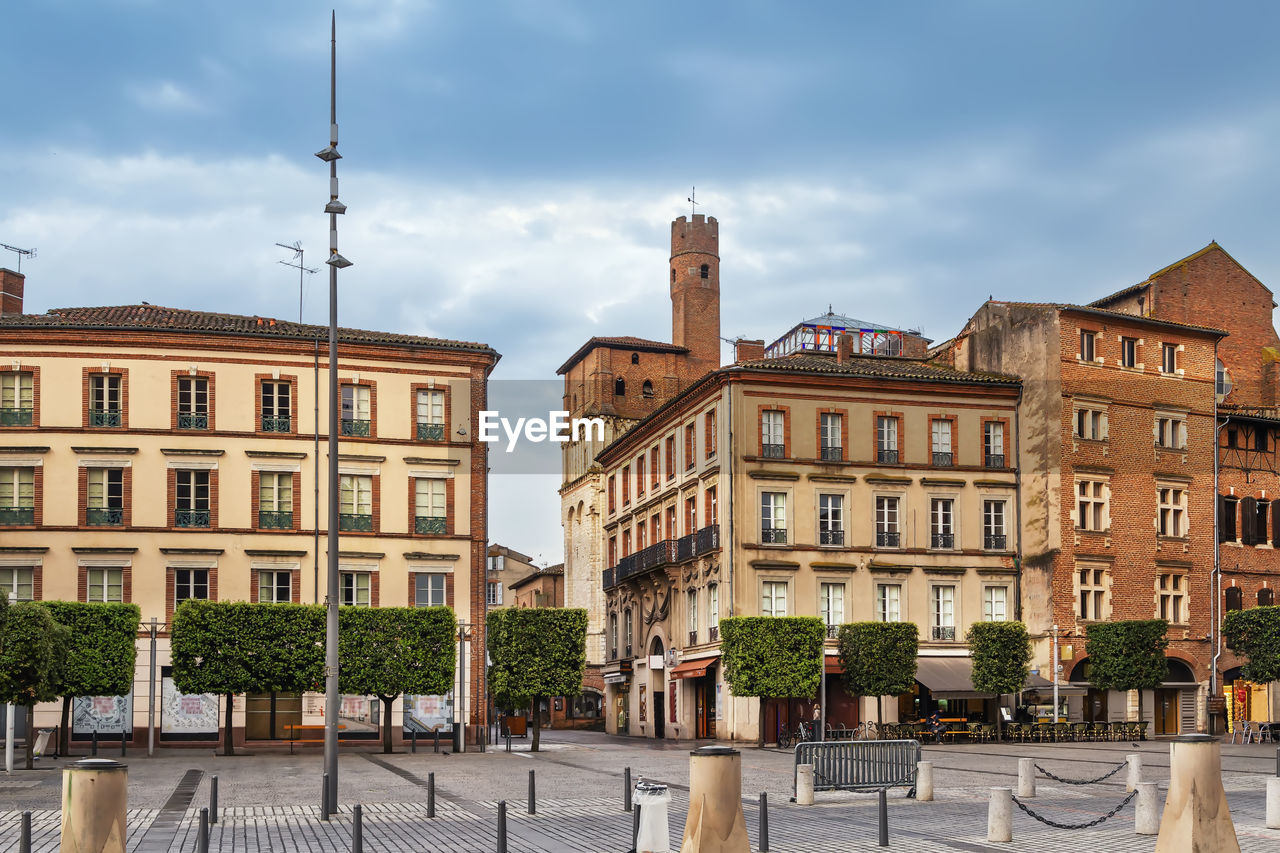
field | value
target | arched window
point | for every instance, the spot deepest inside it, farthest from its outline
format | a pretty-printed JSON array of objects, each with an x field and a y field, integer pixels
[
  {"x": 635, "y": 358},
  {"x": 1235, "y": 598},
  {"x": 1266, "y": 597},
  {"x": 620, "y": 388},
  {"x": 647, "y": 388},
  {"x": 705, "y": 271}
]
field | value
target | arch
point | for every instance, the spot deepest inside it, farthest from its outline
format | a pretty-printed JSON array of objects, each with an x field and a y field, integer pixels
[
  {"x": 646, "y": 390},
  {"x": 1180, "y": 671},
  {"x": 656, "y": 646},
  {"x": 620, "y": 387},
  {"x": 1235, "y": 597},
  {"x": 1266, "y": 597},
  {"x": 1236, "y": 673},
  {"x": 635, "y": 358},
  {"x": 1079, "y": 672}
]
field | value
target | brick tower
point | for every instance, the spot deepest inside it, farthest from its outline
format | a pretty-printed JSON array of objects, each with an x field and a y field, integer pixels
[{"x": 695, "y": 289}]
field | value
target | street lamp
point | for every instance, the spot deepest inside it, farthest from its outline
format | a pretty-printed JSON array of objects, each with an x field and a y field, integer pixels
[{"x": 1055, "y": 666}]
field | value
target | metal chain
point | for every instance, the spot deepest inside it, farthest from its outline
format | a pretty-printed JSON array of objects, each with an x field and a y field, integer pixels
[
  {"x": 1091, "y": 823},
  {"x": 1101, "y": 778}
]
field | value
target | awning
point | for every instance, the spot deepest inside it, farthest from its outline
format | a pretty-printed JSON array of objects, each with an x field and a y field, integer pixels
[
  {"x": 616, "y": 678},
  {"x": 948, "y": 677},
  {"x": 833, "y": 665},
  {"x": 692, "y": 668},
  {"x": 1044, "y": 687}
]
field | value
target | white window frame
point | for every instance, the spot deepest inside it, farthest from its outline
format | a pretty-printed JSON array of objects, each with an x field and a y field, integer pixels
[
  {"x": 773, "y": 512},
  {"x": 995, "y": 516},
  {"x": 352, "y": 597},
  {"x": 104, "y": 579},
  {"x": 772, "y": 427},
  {"x": 18, "y": 487},
  {"x": 1170, "y": 430},
  {"x": 942, "y": 607},
  {"x": 691, "y": 610},
  {"x": 830, "y": 513},
  {"x": 14, "y": 579},
  {"x": 269, "y": 580},
  {"x": 886, "y": 432},
  {"x": 1096, "y": 585},
  {"x": 889, "y": 601},
  {"x": 830, "y": 429},
  {"x": 773, "y": 597},
  {"x": 17, "y": 390},
  {"x": 493, "y": 594},
  {"x": 995, "y": 603},
  {"x": 356, "y": 402},
  {"x": 1169, "y": 359},
  {"x": 940, "y": 432},
  {"x": 831, "y": 603},
  {"x": 436, "y": 585},
  {"x": 1171, "y": 510},
  {"x": 1090, "y": 423},
  {"x": 355, "y": 494},
  {"x": 275, "y": 491},
  {"x": 1093, "y": 505},
  {"x": 1171, "y": 597},
  {"x": 189, "y": 582},
  {"x": 429, "y": 406}
]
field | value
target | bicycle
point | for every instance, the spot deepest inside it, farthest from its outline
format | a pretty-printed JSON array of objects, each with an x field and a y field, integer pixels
[{"x": 788, "y": 738}]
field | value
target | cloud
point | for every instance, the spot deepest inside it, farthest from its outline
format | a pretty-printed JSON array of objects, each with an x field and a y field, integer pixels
[{"x": 166, "y": 96}]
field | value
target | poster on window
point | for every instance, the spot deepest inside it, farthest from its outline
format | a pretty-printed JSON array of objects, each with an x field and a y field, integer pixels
[
  {"x": 428, "y": 713},
  {"x": 187, "y": 713},
  {"x": 107, "y": 715}
]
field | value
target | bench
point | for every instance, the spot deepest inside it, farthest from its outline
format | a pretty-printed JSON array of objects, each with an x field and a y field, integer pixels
[
  {"x": 306, "y": 734},
  {"x": 869, "y": 765}
]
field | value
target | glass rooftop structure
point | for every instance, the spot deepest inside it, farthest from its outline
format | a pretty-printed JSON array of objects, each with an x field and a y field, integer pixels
[{"x": 820, "y": 333}]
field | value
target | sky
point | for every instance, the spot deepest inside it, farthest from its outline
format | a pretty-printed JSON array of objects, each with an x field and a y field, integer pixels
[{"x": 511, "y": 167}]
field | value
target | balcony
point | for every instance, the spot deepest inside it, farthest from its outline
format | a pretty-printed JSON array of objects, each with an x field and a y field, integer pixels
[
  {"x": 430, "y": 525},
  {"x": 830, "y": 537},
  {"x": 357, "y": 429},
  {"x": 191, "y": 518},
  {"x": 105, "y": 417},
  {"x": 607, "y": 580},
  {"x": 708, "y": 539},
  {"x": 686, "y": 547},
  {"x": 626, "y": 653},
  {"x": 16, "y": 417},
  {"x": 193, "y": 420},
  {"x": 272, "y": 520},
  {"x": 664, "y": 553},
  {"x": 994, "y": 542},
  {"x": 942, "y": 540},
  {"x": 430, "y": 432},
  {"x": 887, "y": 457},
  {"x": 886, "y": 539},
  {"x": 773, "y": 536},
  {"x": 356, "y": 522},
  {"x": 994, "y": 460},
  {"x": 713, "y": 634},
  {"x": 773, "y": 451},
  {"x": 13, "y": 515},
  {"x": 832, "y": 454},
  {"x": 104, "y": 516},
  {"x": 274, "y": 424},
  {"x": 942, "y": 460},
  {"x": 942, "y": 633}
]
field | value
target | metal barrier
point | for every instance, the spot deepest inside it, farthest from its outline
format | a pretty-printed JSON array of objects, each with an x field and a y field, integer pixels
[{"x": 867, "y": 765}]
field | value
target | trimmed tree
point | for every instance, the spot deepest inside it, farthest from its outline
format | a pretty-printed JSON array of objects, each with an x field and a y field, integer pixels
[
  {"x": 773, "y": 657},
  {"x": 33, "y": 651},
  {"x": 879, "y": 659},
  {"x": 535, "y": 653},
  {"x": 387, "y": 651},
  {"x": 1001, "y": 657},
  {"x": 1128, "y": 655},
  {"x": 101, "y": 654},
  {"x": 1254, "y": 634}
]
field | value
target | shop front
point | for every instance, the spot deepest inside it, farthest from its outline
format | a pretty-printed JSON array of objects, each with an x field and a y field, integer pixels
[
  {"x": 700, "y": 688},
  {"x": 1245, "y": 700}
]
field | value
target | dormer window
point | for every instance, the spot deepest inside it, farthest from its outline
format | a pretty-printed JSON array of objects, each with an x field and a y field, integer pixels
[{"x": 620, "y": 388}]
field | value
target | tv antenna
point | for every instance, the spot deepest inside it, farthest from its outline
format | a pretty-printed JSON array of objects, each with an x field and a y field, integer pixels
[
  {"x": 693, "y": 202},
  {"x": 30, "y": 253},
  {"x": 297, "y": 263}
]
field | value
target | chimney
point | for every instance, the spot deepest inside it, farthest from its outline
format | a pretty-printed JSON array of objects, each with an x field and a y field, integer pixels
[
  {"x": 844, "y": 348},
  {"x": 11, "y": 284},
  {"x": 744, "y": 350}
]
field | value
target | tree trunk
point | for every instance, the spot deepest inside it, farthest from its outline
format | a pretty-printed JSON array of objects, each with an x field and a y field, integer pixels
[
  {"x": 999, "y": 723},
  {"x": 880, "y": 712},
  {"x": 31, "y": 737},
  {"x": 64, "y": 730},
  {"x": 228, "y": 748},
  {"x": 386, "y": 723},
  {"x": 537, "y": 727},
  {"x": 1140, "y": 717}
]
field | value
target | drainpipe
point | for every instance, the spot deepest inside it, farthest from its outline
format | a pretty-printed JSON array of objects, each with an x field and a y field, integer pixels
[
  {"x": 1017, "y": 501},
  {"x": 1215, "y": 581}
]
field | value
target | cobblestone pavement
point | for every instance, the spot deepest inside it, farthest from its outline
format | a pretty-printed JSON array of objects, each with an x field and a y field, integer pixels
[{"x": 269, "y": 801}]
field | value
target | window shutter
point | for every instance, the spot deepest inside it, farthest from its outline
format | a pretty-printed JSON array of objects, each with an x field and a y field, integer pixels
[
  {"x": 1275, "y": 524},
  {"x": 1222, "y": 520},
  {"x": 1249, "y": 521}
]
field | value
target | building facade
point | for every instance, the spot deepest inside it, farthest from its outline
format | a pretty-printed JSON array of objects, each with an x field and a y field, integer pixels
[{"x": 151, "y": 455}]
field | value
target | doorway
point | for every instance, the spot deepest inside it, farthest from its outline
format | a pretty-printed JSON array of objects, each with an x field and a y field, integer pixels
[
  {"x": 1166, "y": 711},
  {"x": 704, "y": 693},
  {"x": 267, "y": 715}
]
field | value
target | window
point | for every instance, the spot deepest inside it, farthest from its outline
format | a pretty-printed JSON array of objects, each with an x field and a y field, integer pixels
[
  {"x": 690, "y": 515},
  {"x": 671, "y": 523},
  {"x": 193, "y": 402},
  {"x": 1092, "y": 585},
  {"x": 104, "y": 585},
  {"x": 831, "y": 606},
  {"x": 430, "y": 414},
  {"x": 671, "y": 457},
  {"x": 1221, "y": 379},
  {"x": 691, "y": 614},
  {"x": 357, "y": 420},
  {"x": 709, "y": 434},
  {"x": 993, "y": 444},
  {"x": 641, "y": 539},
  {"x": 613, "y": 636},
  {"x": 640, "y": 475},
  {"x": 646, "y": 389},
  {"x": 830, "y": 519},
  {"x": 191, "y": 499},
  {"x": 275, "y": 500},
  {"x": 993, "y": 529},
  {"x": 105, "y": 506},
  {"x": 1260, "y": 440},
  {"x": 773, "y": 518},
  {"x": 354, "y": 589},
  {"x": 190, "y": 583},
  {"x": 772, "y": 437},
  {"x": 773, "y": 598},
  {"x": 1091, "y": 505},
  {"x": 430, "y": 506},
  {"x": 1128, "y": 352},
  {"x": 493, "y": 598},
  {"x": 613, "y": 493},
  {"x": 830, "y": 429},
  {"x": 995, "y": 604},
  {"x": 627, "y": 624},
  {"x": 1086, "y": 345},
  {"x": 17, "y": 496},
  {"x": 496, "y": 563},
  {"x": 887, "y": 522},
  {"x": 1234, "y": 598},
  {"x": 941, "y": 523},
  {"x": 889, "y": 602},
  {"x": 19, "y": 581},
  {"x": 704, "y": 271},
  {"x": 635, "y": 358},
  {"x": 710, "y": 509},
  {"x": 1260, "y": 528},
  {"x": 355, "y": 502},
  {"x": 613, "y": 550},
  {"x": 277, "y": 411},
  {"x": 17, "y": 396},
  {"x": 1171, "y": 431},
  {"x": 1169, "y": 358},
  {"x": 941, "y": 438},
  {"x": 275, "y": 586},
  {"x": 887, "y": 440},
  {"x": 626, "y": 542},
  {"x": 1229, "y": 530},
  {"x": 105, "y": 409},
  {"x": 1091, "y": 424},
  {"x": 626, "y": 485},
  {"x": 1172, "y": 511},
  {"x": 943, "y": 622},
  {"x": 655, "y": 469},
  {"x": 690, "y": 446},
  {"x": 713, "y": 609},
  {"x": 428, "y": 589},
  {"x": 1266, "y": 597},
  {"x": 620, "y": 387},
  {"x": 1171, "y": 595},
  {"x": 1232, "y": 437}
]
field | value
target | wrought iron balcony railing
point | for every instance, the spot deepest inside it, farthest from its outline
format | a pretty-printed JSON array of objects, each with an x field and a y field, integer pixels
[
  {"x": 16, "y": 417},
  {"x": 943, "y": 632},
  {"x": 942, "y": 460},
  {"x": 887, "y": 457},
  {"x": 708, "y": 539},
  {"x": 627, "y": 652},
  {"x": 831, "y": 454},
  {"x": 773, "y": 451},
  {"x": 105, "y": 418},
  {"x": 10, "y": 515},
  {"x": 994, "y": 541},
  {"x": 888, "y": 539},
  {"x": 360, "y": 429},
  {"x": 430, "y": 432},
  {"x": 713, "y": 634},
  {"x": 833, "y": 631},
  {"x": 273, "y": 520},
  {"x": 191, "y": 518},
  {"x": 193, "y": 420},
  {"x": 277, "y": 424},
  {"x": 830, "y": 537},
  {"x": 104, "y": 516},
  {"x": 430, "y": 525},
  {"x": 685, "y": 547},
  {"x": 773, "y": 535},
  {"x": 693, "y": 638},
  {"x": 358, "y": 522},
  {"x": 942, "y": 540},
  {"x": 995, "y": 460}
]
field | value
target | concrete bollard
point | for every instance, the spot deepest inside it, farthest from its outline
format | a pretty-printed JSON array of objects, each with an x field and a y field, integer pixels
[
  {"x": 24, "y": 834},
  {"x": 1146, "y": 816},
  {"x": 1000, "y": 815},
  {"x": 357, "y": 828},
  {"x": 533, "y": 795},
  {"x": 1026, "y": 778},
  {"x": 431, "y": 795},
  {"x": 1273, "y": 803},
  {"x": 95, "y": 794},
  {"x": 502, "y": 826},
  {"x": 715, "y": 823},
  {"x": 1134, "y": 774},
  {"x": 804, "y": 784},
  {"x": 924, "y": 781},
  {"x": 764, "y": 823},
  {"x": 213, "y": 799},
  {"x": 1196, "y": 815},
  {"x": 653, "y": 833}
]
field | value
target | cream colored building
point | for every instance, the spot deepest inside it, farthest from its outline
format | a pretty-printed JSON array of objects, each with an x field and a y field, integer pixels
[{"x": 164, "y": 454}]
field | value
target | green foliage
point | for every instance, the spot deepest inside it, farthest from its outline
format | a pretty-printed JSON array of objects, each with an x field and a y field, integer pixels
[
  {"x": 539, "y": 651},
  {"x": 33, "y": 653},
  {"x": 773, "y": 656},
  {"x": 387, "y": 651},
  {"x": 1001, "y": 655},
  {"x": 1255, "y": 635},
  {"x": 1127, "y": 655},
  {"x": 231, "y": 647},
  {"x": 879, "y": 658},
  {"x": 102, "y": 651}
]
